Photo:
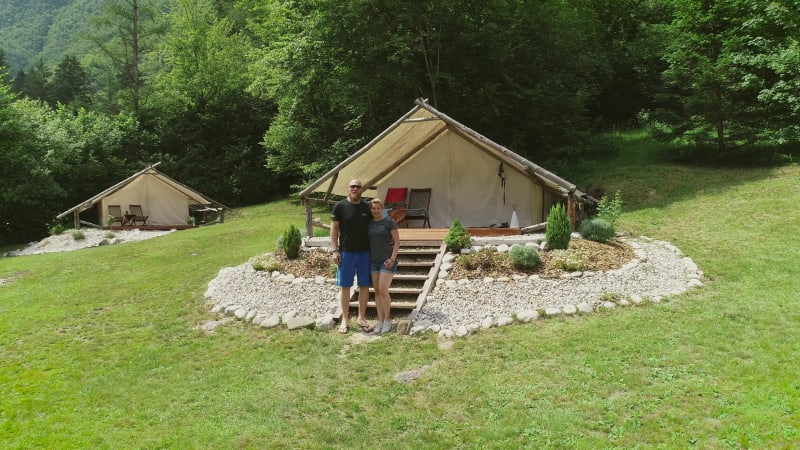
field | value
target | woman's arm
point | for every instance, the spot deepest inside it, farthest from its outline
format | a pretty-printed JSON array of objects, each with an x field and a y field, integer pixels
[{"x": 396, "y": 247}]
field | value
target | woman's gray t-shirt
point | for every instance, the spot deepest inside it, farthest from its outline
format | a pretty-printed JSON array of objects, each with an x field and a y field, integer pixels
[{"x": 380, "y": 239}]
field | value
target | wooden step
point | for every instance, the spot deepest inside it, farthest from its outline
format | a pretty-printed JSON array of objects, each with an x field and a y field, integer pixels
[
  {"x": 410, "y": 277},
  {"x": 420, "y": 243},
  {"x": 415, "y": 263},
  {"x": 397, "y": 290},
  {"x": 418, "y": 251},
  {"x": 395, "y": 304}
]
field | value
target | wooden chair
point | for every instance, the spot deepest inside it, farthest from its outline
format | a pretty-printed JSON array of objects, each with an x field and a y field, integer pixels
[
  {"x": 419, "y": 201},
  {"x": 138, "y": 214},
  {"x": 395, "y": 205},
  {"x": 115, "y": 211},
  {"x": 395, "y": 197}
]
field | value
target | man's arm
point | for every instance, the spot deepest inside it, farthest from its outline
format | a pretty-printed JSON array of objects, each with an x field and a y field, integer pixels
[{"x": 337, "y": 256}]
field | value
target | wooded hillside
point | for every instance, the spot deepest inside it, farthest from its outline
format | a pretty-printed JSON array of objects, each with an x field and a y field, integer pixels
[{"x": 252, "y": 99}]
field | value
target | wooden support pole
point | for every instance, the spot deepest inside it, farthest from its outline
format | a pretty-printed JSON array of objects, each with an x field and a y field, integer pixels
[
  {"x": 573, "y": 219},
  {"x": 309, "y": 219}
]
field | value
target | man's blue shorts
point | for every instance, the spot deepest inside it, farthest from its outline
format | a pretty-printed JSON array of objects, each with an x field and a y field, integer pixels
[{"x": 353, "y": 263}]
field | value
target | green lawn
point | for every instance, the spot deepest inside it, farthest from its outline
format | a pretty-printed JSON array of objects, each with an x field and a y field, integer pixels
[{"x": 99, "y": 347}]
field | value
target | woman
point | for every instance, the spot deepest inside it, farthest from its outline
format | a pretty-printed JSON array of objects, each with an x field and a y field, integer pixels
[{"x": 384, "y": 243}]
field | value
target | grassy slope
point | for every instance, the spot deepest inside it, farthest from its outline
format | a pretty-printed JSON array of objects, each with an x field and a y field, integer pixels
[{"x": 98, "y": 347}]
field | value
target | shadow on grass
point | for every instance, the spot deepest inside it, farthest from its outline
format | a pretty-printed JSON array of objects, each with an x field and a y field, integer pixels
[{"x": 646, "y": 174}]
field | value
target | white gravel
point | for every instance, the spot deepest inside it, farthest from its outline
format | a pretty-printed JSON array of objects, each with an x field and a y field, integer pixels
[
  {"x": 93, "y": 237},
  {"x": 454, "y": 307},
  {"x": 459, "y": 307}
]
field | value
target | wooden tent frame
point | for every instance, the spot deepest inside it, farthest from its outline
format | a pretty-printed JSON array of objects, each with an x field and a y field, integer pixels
[
  {"x": 90, "y": 203},
  {"x": 548, "y": 180}
]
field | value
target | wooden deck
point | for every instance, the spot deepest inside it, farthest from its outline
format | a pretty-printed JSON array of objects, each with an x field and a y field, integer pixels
[
  {"x": 148, "y": 227},
  {"x": 438, "y": 234}
]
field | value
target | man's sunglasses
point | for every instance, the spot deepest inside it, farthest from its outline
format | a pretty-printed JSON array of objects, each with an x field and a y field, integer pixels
[{"x": 355, "y": 186}]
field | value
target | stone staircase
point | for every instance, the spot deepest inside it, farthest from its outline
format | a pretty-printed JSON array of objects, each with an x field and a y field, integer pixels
[{"x": 418, "y": 264}]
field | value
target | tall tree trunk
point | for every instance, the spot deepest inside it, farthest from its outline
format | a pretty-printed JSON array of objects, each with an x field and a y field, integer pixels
[{"x": 135, "y": 56}]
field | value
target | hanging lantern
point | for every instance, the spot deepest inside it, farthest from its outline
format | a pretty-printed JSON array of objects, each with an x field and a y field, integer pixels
[
  {"x": 514, "y": 219},
  {"x": 502, "y": 174}
]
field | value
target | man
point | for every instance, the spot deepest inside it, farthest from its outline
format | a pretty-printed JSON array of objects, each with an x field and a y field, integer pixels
[{"x": 350, "y": 246}]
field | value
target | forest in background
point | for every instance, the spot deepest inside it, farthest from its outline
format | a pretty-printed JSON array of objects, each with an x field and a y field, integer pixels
[{"x": 249, "y": 100}]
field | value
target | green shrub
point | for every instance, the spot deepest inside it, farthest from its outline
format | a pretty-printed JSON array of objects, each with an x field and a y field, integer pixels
[
  {"x": 468, "y": 261},
  {"x": 78, "y": 235},
  {"x": 266, "y": 262},
  {"x": 558, "y": 228},
  {"x": 610, "y": 210},
  {"x": 486, "y": 259},
  {"x": 57, "y": 229},
  {"x": 608, "y": 296},
  {"x": 523, "y": 257},
  {"x": 110, "y": 235},
  {"x": 568, "y": 260},
  {"x": 291, "y": 242},
  {"x": 457, "y": 237},
  {"x": 597, "y": 229}
]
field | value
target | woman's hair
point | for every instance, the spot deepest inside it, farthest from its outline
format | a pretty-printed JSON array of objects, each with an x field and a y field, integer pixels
[{"x": 376, "y": 201}]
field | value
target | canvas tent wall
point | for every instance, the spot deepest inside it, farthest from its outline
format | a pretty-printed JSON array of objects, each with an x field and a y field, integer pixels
[
  {"x": 425, "y": 148},
  {"x": 165, "y": 201}
]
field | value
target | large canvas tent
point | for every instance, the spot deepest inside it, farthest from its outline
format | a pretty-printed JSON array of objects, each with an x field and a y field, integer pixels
[
  {"x": 166, "y": 202},
  {"x": 472, "y": 178}
]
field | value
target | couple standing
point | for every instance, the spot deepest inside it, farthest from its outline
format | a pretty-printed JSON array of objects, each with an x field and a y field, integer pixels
[{"x": 363, "y": 242}]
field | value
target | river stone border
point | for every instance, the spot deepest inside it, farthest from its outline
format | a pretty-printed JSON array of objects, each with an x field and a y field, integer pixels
[{"x": 458, "y": 308}]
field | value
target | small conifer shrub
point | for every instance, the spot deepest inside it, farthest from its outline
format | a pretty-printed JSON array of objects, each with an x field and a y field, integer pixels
[
  {"x": 523, "y": 257},
  {"x": 291, "y": 242},
  {"x": 78, "y": 235},
  {"x": 457, "y": 237},
  {"x": 597, "y": 229},
  {"x": 558, "y": 228}
]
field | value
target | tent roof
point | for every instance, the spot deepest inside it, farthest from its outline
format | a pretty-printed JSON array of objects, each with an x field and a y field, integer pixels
[
  {"x": 399, "y": 143},
  {"x": 150, "y": 170}
]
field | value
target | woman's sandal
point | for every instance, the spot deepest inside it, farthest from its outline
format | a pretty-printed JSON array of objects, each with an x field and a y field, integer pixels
[
  {"x": 366, "y": 328},
  {"x": 343, "y": 328}
]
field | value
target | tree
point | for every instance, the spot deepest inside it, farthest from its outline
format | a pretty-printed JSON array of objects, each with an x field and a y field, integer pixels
[
  {"x": 18, "y": 85},
  {"x": 126, "y": 34},
  {"x": 28, "y": 192},
  {"x": 206, "y": 117},
  {"x": 633, "y": 41},
  {"x": 37, "y": 83},
  {"x": 770, "y": 59},
  {"x": 717, "y": 73},
  {"x": 51, "y": 160},
  {"x": 521, "y": 72},
  {"x": 71, "y": 83},
  {"x": 4, "y": 74}
]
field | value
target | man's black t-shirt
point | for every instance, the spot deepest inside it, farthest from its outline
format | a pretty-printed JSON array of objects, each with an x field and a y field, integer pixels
[{"x": 353, "y": 221}]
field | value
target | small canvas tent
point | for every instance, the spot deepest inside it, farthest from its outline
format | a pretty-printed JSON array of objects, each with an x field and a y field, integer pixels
[
  {"x": 165, "y": 201},
  {"x": 472, "y": 178}
]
